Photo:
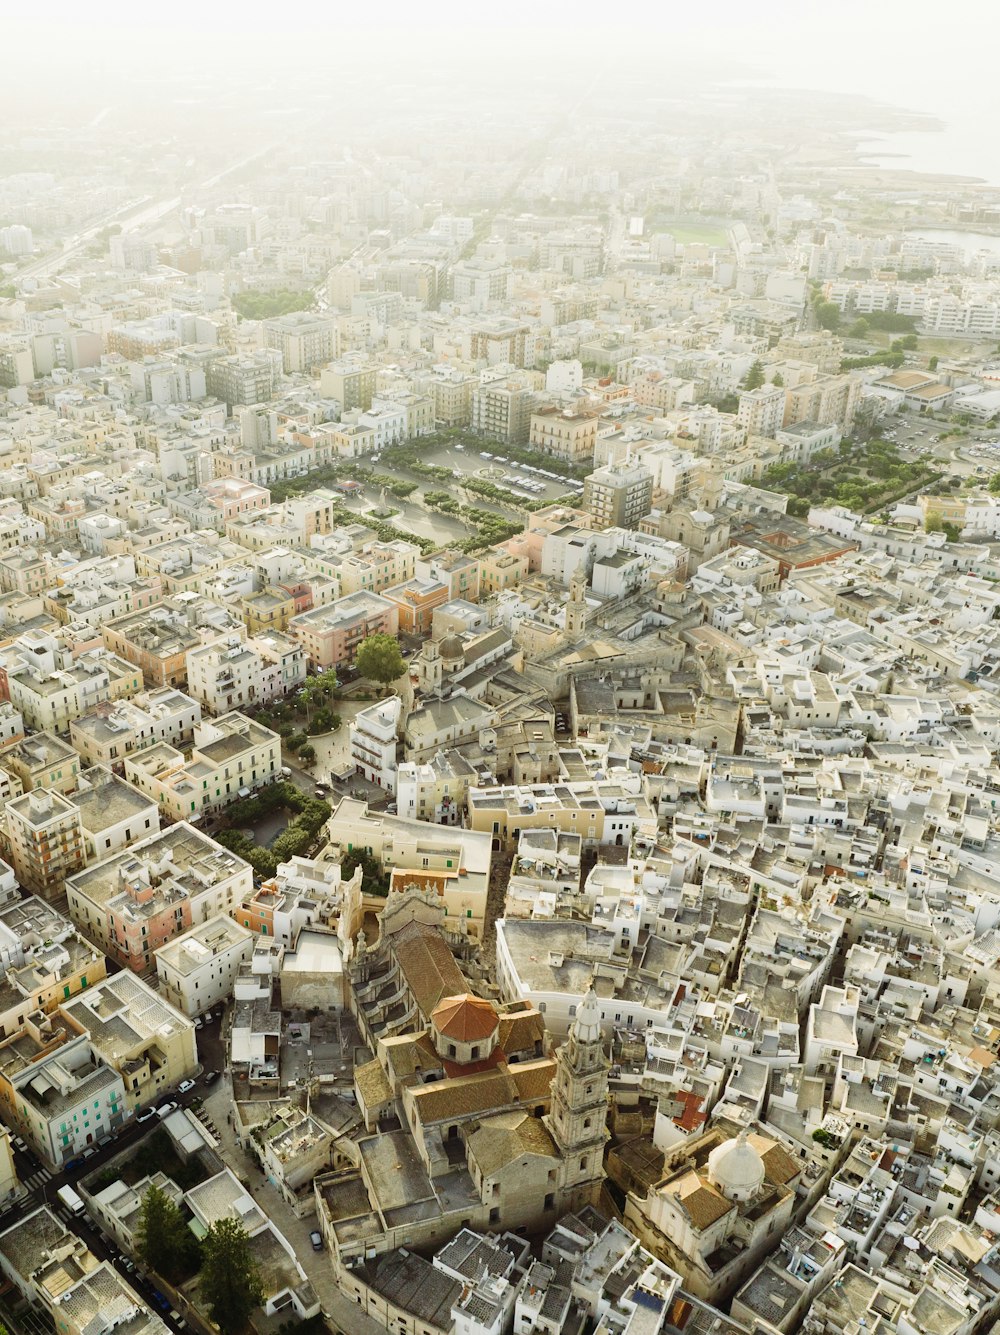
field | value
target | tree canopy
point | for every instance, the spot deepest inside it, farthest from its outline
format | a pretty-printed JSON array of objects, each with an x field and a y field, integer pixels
[
  {"x": 256, "y": 305},
  {"x": 163, "y": 1240},
  {"x": 379, "y": 658},
  {"x": 230, "y": 1280},
  {"x": 754, "y": 377}
]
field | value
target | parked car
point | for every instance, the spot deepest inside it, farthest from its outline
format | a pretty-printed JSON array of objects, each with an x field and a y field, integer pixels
[
  {"x": 316, "y": 1239},
  {"x": 165, "y": 1110},
  {"x": 184, "y": 1086},
  {"x": 199, "y": 1023},
  {"x": 211, "y": 1077},
  {"x": 146, "y": 1114}
]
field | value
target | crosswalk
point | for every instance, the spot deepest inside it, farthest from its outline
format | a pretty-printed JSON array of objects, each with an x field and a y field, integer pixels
[{"x": 36, "y": 1179}]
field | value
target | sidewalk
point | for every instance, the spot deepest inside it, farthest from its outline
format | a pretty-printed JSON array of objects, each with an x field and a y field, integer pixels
[{"x": 344, "y": 1314}]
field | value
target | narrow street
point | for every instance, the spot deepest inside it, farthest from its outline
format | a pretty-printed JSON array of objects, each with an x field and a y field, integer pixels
[{"x": 343, "y": 1314}]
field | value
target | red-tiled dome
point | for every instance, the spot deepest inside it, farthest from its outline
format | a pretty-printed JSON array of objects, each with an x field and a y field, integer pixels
[{"x": 466, "y": 1019}]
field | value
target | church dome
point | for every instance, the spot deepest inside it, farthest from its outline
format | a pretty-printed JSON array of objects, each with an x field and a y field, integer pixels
[
  {"x": 465, "y": 1017},
  {"x": 736, "y": 1168},
  {"x": 451, "y": 648}
]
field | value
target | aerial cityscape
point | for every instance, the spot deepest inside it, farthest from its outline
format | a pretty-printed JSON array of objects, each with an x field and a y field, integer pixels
[{"x": 499, "y": 679}]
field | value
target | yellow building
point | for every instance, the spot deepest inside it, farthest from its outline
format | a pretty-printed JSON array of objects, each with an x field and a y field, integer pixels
[{"x": 269, "y": 610}]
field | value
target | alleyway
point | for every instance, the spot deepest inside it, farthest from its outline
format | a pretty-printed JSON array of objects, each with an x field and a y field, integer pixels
[{"x": 344, "y": 1314}]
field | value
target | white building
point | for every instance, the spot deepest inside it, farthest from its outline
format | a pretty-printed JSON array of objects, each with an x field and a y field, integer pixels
[
  {"x": 199, "y": 968},
  {"x": 374, "y": 742},
  {"x": 224, "y": 675}
]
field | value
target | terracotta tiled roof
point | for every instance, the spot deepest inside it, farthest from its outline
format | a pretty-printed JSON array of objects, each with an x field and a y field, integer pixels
[
  {"x": 405, "y": 1054},
  {"x": 700, "y": 1200},
  {"x": 371, "y": 1084},
  {"x": 464, "y": 1096},
  {"x": 427, "y": 965},
  {"x": 779, "y": 1166},
  {"x": 533, "y": 1079},
  {"x": 520, "y": 1032},
  {"x": 500, "y": 1140},
  {"x": 465, "y": 1018}
]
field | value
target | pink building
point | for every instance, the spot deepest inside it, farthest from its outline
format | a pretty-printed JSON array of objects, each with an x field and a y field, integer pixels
[
  {"x": 331, "y": 634},
  {"x": 142, "y": 917},
  {"x": 232, "y": 497}
]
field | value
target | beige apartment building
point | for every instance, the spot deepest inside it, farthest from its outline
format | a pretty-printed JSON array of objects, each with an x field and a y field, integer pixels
[
  {"x": 133, "y": 903},
  {"x": 565, "y": 433},
  {"x": 600, "y": 813},
  {"x": 453, "y": 861},
  {"x": 231, "y": 757},
  {"x": 148, "y": 1042},
  {"x": 46, "y": 841}
]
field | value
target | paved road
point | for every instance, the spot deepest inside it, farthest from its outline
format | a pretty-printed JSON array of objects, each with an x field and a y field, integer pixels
[
  {"x": 127, "y": 215},
  {"x": 343, "y": 1314}
]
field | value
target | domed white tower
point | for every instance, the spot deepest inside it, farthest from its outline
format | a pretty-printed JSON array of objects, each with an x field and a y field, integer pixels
[{"x": 736, "y": 1169}]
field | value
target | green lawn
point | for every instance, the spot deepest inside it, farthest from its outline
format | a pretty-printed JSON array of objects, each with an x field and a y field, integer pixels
[{"x": 708, "y": 234}]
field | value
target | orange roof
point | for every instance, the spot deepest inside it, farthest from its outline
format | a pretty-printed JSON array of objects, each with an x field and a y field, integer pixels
[{"x": 465, "y": 1018}]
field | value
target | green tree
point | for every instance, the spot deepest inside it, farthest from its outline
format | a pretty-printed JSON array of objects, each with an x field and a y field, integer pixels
[
  {"x": 859, "y": 328},
  {"x": 828, "y": 315},
  {"x": 379, "y": 658},
  {"x": 164, "y": 1242},
  {"x": 231, "y": 1282},
  {"x": 909, "y": 342},
  {"x": 995, "y": 484},
  {"x": 754, "y": 377},
  {"x": 307, "y": 753},
  {"x": 374, "y": 878},
  {"x": 932, "y": 364},
  {"x": 779, "y": 380},
  {"x": 934, "y": 523}
]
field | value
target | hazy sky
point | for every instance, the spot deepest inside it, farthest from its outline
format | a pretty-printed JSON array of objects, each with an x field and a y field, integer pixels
[{"x": 935, "y": 57}]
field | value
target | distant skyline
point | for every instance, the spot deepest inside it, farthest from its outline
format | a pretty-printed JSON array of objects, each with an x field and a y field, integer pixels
[{"x": 922, "y": 57}]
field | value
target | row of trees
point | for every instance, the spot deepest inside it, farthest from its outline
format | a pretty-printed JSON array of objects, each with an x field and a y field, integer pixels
[{"x": 228, "y": 1276}]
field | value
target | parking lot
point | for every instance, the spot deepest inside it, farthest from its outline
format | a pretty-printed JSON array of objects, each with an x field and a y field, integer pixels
[{"x": 487, "y": 461}]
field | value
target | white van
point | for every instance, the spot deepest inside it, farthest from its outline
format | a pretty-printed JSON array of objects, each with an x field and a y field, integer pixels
[{"x": 70, "y": 1199}]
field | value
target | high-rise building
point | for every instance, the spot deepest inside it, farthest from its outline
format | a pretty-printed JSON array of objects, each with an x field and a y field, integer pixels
[
  {"x": 304, "y": 340},
  {"x": 46, "y": 839},
  {"x": 244, "y": 378},
  {"x": 351, "y": 383},
  {"x": 619, "y": 495},
  {"x": 761, "y": 411},
  {"x": 501, "y": 407}
]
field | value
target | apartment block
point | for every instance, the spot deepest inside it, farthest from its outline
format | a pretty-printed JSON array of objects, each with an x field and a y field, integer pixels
[
  {"x": 375, "y": 742},
  {"x": 231, "y": 757},
  {"x": 619, "y": 495},
  {"x": 46, "y": 840},
  {"x": 141, "y": 898},
  {"x": 453, "y": 863},
  {"x": 331, "y": 635},
  {"x": 761, "y": 411},
  {"x": 43, "y": 760},
  {"x": 157, "y": 639},
  {"x": 224, "y": 675},
  {"x": 199, "y": 967},
  {"x": 352, "y": 384},
  {"x": 565, "y": 433},
  {"x": 501, "y": 406},
  {"x": 599, "y": 812},
  {"x": 147, "y": 1042},
  {"x": 304, "y": 340}
]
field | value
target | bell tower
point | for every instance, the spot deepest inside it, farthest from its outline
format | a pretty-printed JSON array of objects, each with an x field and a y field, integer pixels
[
  {"x": 579, "y": 1108},
  {"x": 576, "y": 608},
  {"x": 430, "y": 668}
]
